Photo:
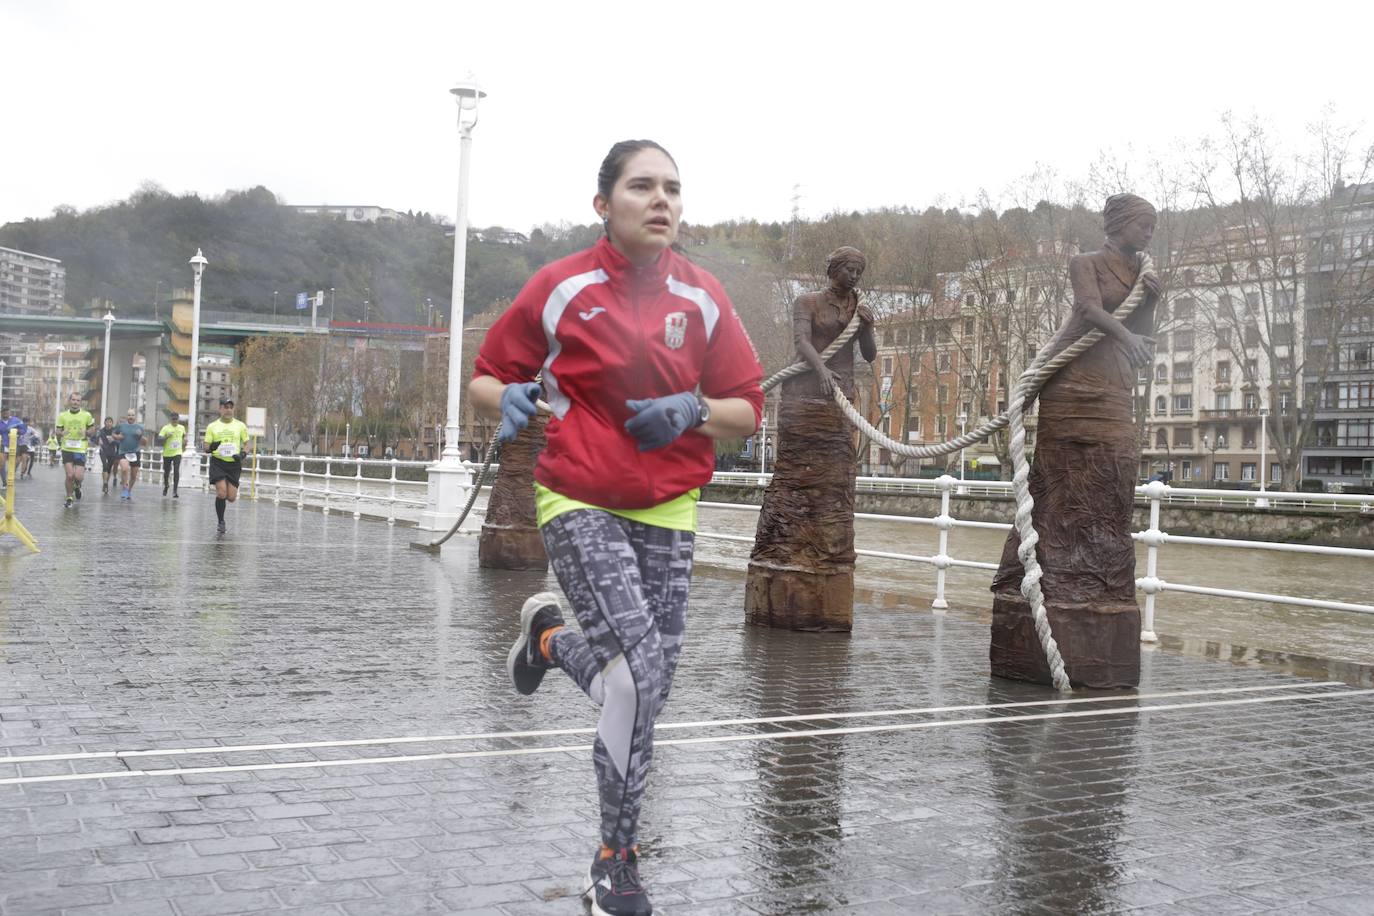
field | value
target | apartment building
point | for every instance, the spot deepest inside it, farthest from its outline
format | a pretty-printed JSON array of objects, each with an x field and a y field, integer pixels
[{"x": 31, "y": 283}]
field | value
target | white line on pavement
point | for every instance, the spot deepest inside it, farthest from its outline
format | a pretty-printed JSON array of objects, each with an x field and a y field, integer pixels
[
  {"x": 705, "y": 723},
  {"x": 721, "y": 739}
]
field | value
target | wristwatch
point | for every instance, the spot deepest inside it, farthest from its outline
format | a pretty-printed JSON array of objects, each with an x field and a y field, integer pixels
[{"x": 703, "y": 410}]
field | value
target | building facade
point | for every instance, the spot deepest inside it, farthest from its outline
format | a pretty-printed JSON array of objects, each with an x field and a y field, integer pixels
[{"x": 31, "y": 283}]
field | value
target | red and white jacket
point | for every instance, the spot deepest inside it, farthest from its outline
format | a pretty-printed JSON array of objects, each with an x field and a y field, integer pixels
[{"x": 603, "y": 332}]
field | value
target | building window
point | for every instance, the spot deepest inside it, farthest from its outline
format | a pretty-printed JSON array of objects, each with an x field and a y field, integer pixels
[
  {"x": 1183, "y": 340},
  {"x": 1187, "y": 470},
  {"x": 1183, "y": 309},
  {"x": 913, "y": 423},
  {"x": 887, "y": 337},
  {"x": 1223, "y": 338},
  {"x": 1161, "y": 405},
  {"x": 969, "y": 325},
  {"x": 1322, "y": 466},
  {"x": 1247, "y": 437},
  {"x": 1183, "y": 436},
  {"x": 1161, "y": 373},
  {"x": 1161, "y": 439},
  {"x": 942, "y": 362},
  {"x": 887, "y": 365},
  {"x": 1221, "y": 470},
  {"x": 1247, "y": 471},
  {"x": 1224, "y": 371},
  {"x": 1275, "y": 473},
  {"x": 941, "y": 423},
  {"x": 1183, "y": 372},
  {"x": 1183, "y": 404},
  {"x": 1223, "y": 401}
]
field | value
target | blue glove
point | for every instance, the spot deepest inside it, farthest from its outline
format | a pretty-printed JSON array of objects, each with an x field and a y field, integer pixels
[
  {"x": 517, "y": 406},
  {"x": 658, "y": 421}
]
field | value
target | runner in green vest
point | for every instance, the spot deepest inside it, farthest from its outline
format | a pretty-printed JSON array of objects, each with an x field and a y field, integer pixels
[
  {"x": 172, "y": 436},
  {"x": 226, "y": 440},
  {"x": 73, "y": 431}
]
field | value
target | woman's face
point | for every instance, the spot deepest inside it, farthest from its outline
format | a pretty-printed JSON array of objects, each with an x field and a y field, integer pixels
[
  {"x": 644, "y": 207},
  {"x": 1136, "y": 234},
  {"x": 846, "y": 275}
]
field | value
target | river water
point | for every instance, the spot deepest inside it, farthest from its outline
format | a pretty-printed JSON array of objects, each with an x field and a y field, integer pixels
[{"x": 1213, "y": 626}]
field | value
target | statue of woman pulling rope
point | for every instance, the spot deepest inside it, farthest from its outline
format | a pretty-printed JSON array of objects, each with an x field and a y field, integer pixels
[{"x": 1083, "y": 479}]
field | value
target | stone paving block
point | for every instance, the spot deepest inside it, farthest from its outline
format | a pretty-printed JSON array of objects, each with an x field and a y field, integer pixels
[
  {"x": 233, "y": 845},
  {"x": 364, "y": 868},
  {"x": 315, "y": 893},
  {"x": 225, "y": 903},
  {"x": 138, "y": 908},
  {"x": 198, "y": 865}
]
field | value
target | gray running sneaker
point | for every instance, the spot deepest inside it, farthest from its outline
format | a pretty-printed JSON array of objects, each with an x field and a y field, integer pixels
[
  {"x": 220, "y": 527},
  {"x": 525, "y": 662},
  {"x": 614, "y": 888}
]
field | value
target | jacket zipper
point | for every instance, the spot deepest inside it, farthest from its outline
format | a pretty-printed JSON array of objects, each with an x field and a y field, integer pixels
[{"x": 644, "y": 464}]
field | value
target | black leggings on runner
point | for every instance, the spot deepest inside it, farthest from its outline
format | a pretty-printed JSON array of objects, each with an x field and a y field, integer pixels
[
  {"x": 627, "y": 584},
  {"x": 173, "y": 464}
]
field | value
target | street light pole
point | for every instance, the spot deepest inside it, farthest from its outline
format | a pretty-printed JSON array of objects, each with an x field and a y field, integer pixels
[
  {"x": 193, "y": 464},
  {"x": 331, "y": 305},
  {"x": 2, "y": 393},
  {"x": 1263, "y": 501},
  {"x": 109, "y": 320},
  {"x": 963, "y": 420},
  {"x": 57, "y": 398},
  {"x": 449, "y": 479}
]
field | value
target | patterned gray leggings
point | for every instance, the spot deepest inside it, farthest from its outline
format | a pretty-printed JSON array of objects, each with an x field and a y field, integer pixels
[{"x": 627, "y": 584}]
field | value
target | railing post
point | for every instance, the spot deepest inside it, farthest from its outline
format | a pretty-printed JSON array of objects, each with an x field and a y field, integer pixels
[
  {"x": 358, "y": 489},
  {"x": 276, "y": 480},
  {"x": 328, "y": 479},
  {"x": 391, "y": 496},
  {"x": 300, "y": 483},
  {"x": 1151, "y": 585},
  {"x": 943, "y": 522}
]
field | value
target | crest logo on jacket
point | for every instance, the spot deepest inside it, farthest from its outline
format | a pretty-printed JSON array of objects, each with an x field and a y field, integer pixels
[{"x": 675, "y": 330}]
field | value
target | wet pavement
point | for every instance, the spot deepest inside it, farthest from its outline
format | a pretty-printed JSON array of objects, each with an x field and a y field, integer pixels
[{"x": 911, "y": 783}]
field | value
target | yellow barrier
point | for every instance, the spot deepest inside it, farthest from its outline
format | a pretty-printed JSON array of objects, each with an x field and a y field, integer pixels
[{"x": 10, "y": 524}]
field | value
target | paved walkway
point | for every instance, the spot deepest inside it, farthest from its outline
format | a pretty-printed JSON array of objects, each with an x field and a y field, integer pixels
[{"x": 913, "y": 783}]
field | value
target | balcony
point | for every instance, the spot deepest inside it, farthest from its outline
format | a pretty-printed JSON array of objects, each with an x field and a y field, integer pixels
[{"x": 1233, "y": 413}]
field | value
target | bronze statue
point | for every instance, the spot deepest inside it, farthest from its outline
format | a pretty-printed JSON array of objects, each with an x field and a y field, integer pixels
[
  {"x": 1083, "y": 478},
  {"x": 510, "y": 536},
  {"x": 801, "y": 571}
]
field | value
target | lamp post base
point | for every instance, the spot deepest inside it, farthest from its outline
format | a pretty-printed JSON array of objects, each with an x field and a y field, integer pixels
[
  {"x": 450, "y": 482},
  {"x": 190, "y": 470}
]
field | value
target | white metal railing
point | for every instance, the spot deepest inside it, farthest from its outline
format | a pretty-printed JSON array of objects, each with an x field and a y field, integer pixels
[
  {"x": 1191, "y": 496},
  {"x": 354, "y": 484},
  {"x": 1152, "y": 584}
]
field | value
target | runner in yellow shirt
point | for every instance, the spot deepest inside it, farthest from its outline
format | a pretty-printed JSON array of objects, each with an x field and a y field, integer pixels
[
  {"x": 172, "y": 436},
  {"x": 74, "y": 426},
  {"x": 226, "y": 440}
]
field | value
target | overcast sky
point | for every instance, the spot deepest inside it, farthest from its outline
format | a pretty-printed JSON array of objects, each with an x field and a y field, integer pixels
[{"x": 862, "y": 104}]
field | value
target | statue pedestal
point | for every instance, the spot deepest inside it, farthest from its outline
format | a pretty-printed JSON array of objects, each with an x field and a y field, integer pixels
[
  {"x": 796, "y": 600},
  {"x": 1100, "y": 643},
  {"x": 511, "y": 548}
]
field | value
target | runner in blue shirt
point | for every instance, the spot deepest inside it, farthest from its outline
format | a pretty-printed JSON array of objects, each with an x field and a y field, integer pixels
[
  {"x": 7, "y": 423},
  {"x": 129, "y": 435}
]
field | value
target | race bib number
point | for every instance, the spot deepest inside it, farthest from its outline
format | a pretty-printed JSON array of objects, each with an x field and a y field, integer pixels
[
  {"x": 174, "y": 443},
  {"x": 132, "y": 457},
  {"x": 75, "y": 443},
  {"x": 227, "y": 450}
]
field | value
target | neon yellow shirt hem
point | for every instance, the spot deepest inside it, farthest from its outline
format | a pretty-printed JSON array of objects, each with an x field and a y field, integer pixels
[{"x": 676, "y": 514}]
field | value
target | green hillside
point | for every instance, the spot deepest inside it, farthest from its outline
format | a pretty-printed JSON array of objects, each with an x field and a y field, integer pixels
[{"x": 130, "y": 251}]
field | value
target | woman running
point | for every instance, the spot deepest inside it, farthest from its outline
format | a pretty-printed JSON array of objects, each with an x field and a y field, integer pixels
[{"x": 644, "y": 362}]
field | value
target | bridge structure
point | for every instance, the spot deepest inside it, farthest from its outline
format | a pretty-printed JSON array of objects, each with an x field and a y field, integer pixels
[
  {"x": 165, "y": 345},
  {"x": 306, "y": 713}
]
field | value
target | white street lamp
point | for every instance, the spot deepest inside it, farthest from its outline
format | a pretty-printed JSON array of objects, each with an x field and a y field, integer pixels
[
  {"x": 274, "y": 303},
  {"x": 275, "y": 449},
  {"x": 963, "y": 420},
  {"x": 449, "y": 479},
  {"x": 109, "y": 320},
  {"x": 331, "y": 305},
  {"x": 2, "y": 393},
  {"x": 348, "y": 431},
  {"x": 1263, "y": 502},
  {"x": 763, "y": 442},
  {"x": 190, "y": 459},
  {"x": 57, "y": 397}
]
